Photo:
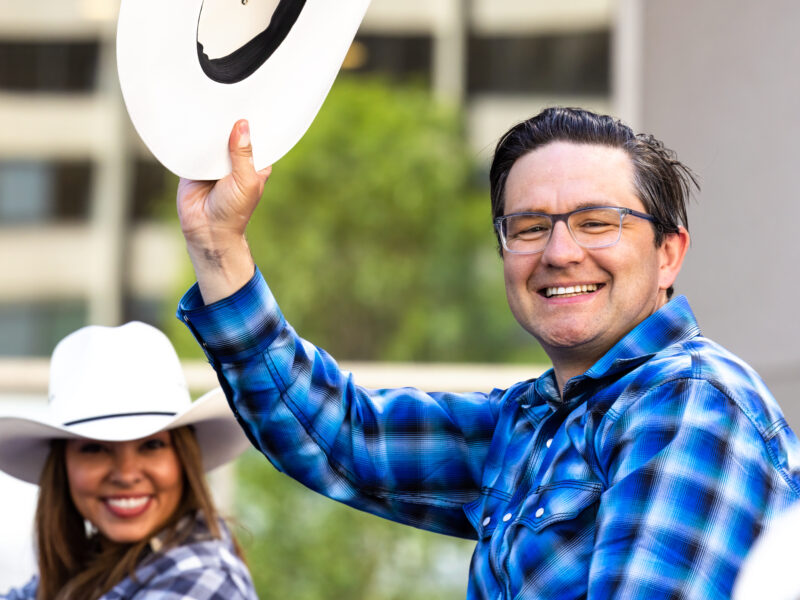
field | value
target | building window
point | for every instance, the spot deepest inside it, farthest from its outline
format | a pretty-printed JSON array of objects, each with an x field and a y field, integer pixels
[
  {"x": 147, "y": 310},
  {"x": 40, "y": 192},
  {"x": 402, "y": 58},
  {"x": 34, "y": 328},
  {"x": 53, "y": 66},
  {"x": 566, "y": 64},
  {"x": 154, "y": 189}
]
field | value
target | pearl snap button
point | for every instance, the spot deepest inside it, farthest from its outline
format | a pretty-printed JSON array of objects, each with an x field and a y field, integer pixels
[
  {"x": 539, "y": 512},
  {"x": 486, "y": 521},
  {"x": 549, "y": 442},
  {"x": 506, "y": 517}
]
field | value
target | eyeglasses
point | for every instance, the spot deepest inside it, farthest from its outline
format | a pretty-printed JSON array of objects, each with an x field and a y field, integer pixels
[{"x": 592, "y": 227}]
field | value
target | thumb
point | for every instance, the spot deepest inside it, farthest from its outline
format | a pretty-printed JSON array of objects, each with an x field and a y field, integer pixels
[
  {"x": 241, "y": 150},
  {"x": 246, "y": 180}
]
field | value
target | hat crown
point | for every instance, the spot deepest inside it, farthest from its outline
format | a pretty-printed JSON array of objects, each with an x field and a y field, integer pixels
[{"x": 97, "y": 372}]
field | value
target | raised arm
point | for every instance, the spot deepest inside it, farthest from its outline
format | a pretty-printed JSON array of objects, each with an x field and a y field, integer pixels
[
  {"x": 214, "y": 216},
  {"x": 403, "y": 454}
]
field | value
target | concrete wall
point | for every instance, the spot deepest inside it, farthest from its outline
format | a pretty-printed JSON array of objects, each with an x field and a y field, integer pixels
[{"x": 719, "y": 82}]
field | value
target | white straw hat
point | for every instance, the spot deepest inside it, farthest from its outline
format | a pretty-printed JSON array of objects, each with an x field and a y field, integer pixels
[
  {"x": 117, "y": 384},
  {"x": 189, "y": 69}
]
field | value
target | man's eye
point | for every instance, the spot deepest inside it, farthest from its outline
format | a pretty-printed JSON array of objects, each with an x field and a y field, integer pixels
[
  {"x": 596, "y": 224},
  {"x": 530, "y": 230}
]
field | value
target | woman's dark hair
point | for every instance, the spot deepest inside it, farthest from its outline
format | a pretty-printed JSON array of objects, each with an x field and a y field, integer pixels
[{"x": 662, "y": 182}]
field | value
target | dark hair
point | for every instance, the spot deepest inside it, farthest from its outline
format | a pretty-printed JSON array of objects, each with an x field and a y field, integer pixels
[{"x": 662, "y": 182}]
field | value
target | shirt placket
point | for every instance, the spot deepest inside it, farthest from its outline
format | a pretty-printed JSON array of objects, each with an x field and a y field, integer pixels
[{"x": 502, "y": 541}]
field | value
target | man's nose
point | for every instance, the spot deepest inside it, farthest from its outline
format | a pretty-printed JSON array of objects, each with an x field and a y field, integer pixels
[{"x": 561, "y": 248}]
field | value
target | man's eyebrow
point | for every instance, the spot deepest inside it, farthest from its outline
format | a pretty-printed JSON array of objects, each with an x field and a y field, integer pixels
[
  {"x": 594, "y": 203},
  {"x": 579, "y": 206}
]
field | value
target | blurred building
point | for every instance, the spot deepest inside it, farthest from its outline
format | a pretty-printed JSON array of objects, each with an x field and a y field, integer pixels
[{"x": 80, "y": 197}]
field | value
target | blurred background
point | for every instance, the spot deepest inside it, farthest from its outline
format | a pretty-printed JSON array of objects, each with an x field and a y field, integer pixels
[{"x": 375, "y": 229}]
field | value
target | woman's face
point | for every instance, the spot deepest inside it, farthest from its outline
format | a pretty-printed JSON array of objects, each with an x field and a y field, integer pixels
[{"x": 127, "y": 490}]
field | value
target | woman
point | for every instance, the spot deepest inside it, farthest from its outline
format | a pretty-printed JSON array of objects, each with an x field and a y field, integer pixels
[{"x": 119, "y": 455}]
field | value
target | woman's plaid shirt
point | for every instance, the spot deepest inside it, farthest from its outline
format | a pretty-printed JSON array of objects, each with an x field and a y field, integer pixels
[
  {"x": 202, "y": 568},
  {"x": 649, "y": 478}
]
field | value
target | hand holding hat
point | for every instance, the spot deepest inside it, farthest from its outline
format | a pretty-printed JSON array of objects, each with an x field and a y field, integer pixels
[{"x": 214, "y": 216}]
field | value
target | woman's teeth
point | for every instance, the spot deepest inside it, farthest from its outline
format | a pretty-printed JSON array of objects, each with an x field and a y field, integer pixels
[
  {"x": 572, "y": 290},
  {"x": 128, "y": 503}
]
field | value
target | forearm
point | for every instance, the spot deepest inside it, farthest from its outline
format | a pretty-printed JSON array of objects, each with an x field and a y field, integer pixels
[
  {"x": 222, "y": 266},
  {"x": 343, "y": 441},
  {"x": 214, "y": 216}
]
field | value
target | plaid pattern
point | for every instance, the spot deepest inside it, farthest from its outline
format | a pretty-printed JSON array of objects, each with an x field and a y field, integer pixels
[
  {"x": 650, "y": 478},
  {"x": 203, "y": 568}
]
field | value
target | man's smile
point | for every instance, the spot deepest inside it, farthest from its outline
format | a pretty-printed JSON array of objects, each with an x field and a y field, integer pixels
[{"x": 570, "y": 290}]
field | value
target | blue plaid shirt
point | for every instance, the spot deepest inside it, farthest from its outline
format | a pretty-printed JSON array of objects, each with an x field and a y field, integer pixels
[
  {"x": 650, "y": 477},
  {"x": 202, "y": 568}
]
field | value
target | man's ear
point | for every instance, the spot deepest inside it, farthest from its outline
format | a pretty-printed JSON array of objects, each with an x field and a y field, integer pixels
[{"x": 671, "y": 253}]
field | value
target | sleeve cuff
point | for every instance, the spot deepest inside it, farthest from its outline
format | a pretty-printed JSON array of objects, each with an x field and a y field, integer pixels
[{"x": 235, "y": 327}]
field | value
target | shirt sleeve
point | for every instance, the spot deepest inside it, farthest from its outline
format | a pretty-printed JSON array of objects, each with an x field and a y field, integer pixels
[
  {"x": 689, "y": 482},
  {"x": 409, "y": 456}
]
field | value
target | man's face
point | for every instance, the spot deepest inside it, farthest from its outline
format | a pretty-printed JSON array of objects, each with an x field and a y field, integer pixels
[{"x": 626, "y": 281}]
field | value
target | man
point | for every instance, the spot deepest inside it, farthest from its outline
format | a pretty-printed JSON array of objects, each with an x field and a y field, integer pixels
[{"x": 642, "y": 465}]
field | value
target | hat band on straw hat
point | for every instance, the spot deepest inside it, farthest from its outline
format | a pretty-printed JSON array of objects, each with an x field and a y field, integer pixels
[
  {"x": 115, "y": 415},
  {"x": 242, "y": 63}
]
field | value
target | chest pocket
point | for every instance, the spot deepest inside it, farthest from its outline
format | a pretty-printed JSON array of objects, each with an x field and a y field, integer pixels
[{"x": 559, "y": 502}]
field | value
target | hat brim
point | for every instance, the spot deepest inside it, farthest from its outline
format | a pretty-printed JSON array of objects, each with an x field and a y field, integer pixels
[
  {"x": 25, "y": 441},
  {"x": 185, "y": 118}
]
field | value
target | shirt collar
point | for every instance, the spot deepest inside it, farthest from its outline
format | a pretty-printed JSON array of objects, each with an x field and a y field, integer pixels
[{"x": 672, "y": 323}]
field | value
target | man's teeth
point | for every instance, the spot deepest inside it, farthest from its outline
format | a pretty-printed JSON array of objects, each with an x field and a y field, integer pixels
[
  {"x": 572, "y": 290},
  {"x": 128, "y": 503}
]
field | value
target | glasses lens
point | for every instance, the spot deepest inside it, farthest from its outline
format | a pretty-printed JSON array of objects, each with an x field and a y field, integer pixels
[
  {"x": 596, "y": 227},
  {"x": 526, "y": 233}
]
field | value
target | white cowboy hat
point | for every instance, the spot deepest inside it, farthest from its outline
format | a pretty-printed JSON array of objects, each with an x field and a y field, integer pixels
[
  {"x": 117, "y": 384},
  {"x": 189, "y": 69}
]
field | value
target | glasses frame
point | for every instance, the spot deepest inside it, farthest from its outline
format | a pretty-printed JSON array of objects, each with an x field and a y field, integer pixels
[{"x": 499, "y": 225}]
